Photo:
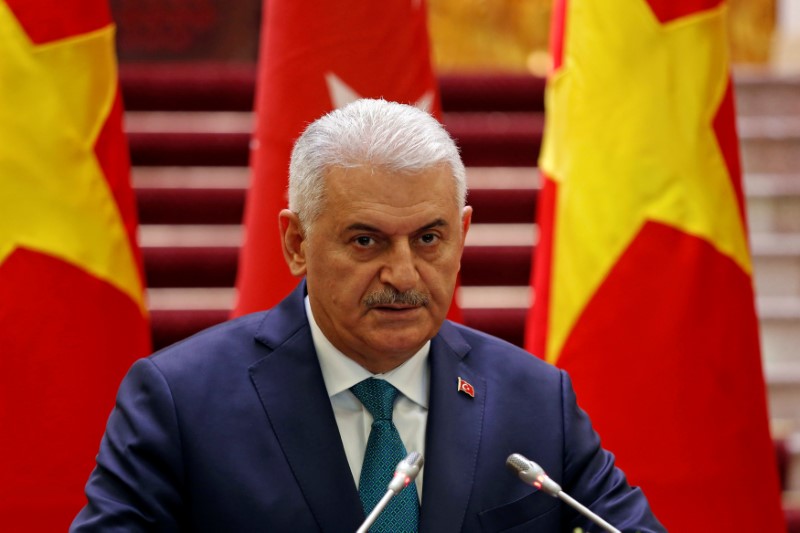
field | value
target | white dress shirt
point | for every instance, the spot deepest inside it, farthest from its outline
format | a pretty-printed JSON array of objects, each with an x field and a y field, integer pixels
[{"x": 410, "y": 415}]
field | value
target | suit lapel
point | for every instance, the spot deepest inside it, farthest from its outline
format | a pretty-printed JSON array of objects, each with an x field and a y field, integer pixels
[
  {"x": 290, "y": 385},
  {"x": 455, "y": 422}
]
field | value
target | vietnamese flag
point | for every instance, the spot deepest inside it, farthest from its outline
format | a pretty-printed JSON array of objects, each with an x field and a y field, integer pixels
[
  {"x": 643, "y": 274},
  {"x": 316, "y": 57},
  {"x": 72, "y": 312}
]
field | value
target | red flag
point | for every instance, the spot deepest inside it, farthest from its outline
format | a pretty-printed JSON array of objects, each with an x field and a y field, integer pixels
[
  {"x": 643, "y": 273},
  {"x": 72, "y": 314},
  {"x": 316, "y": 57}
]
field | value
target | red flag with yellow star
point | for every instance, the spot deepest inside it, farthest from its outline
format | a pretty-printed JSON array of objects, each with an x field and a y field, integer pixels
[
  {"x": 643, "y": 273},
  {"x": 316, "y": 57},
  {"x": 72, "y": 314}
]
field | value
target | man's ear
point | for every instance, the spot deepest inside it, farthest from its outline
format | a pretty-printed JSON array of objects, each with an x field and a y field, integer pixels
[
  {"x": 292, "y": 239},
  {"x": 466, "y": 219}
]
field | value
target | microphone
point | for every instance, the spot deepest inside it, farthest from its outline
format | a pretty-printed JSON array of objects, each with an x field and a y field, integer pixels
[
  {"x": 404, "y": 474},
  {"x": 532, "y": 474}
]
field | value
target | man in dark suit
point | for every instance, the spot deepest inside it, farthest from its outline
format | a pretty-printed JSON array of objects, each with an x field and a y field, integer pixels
[{"x": 260, "y": 424}]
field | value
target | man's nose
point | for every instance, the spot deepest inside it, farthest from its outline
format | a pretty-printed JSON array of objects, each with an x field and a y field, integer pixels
[{"x": 400, "y": 270}]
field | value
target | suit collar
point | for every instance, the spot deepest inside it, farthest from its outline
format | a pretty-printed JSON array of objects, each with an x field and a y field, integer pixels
[
  {"x": 291, "y": 389},
  {"x": 284, "y": 320},
  {"x": 455, "y": 424}
]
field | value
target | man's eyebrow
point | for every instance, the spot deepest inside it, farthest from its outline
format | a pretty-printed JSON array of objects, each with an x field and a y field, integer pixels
[
  {"x": 360, "y": 226},
  {"x": 438, "y": 223}
]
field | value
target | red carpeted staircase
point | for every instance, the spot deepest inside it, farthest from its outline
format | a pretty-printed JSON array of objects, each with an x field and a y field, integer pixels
[{"x": 497, "y": 122}]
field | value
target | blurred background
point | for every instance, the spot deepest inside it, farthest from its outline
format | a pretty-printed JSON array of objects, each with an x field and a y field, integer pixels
[
  {"x": 187, "y": 72},
  {"x": 466, "y": 35}
]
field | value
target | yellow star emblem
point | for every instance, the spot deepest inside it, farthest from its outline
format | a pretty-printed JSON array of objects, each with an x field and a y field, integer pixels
[
  {"x": 54, "y": 198},
  {"x": 630, "y": 139}
]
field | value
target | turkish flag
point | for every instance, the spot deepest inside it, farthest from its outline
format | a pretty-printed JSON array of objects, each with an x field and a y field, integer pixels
[{"x": 316, "y": 57}]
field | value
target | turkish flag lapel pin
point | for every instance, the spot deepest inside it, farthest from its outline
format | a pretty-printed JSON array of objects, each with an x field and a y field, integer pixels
[{"x": 466, "y": 388}]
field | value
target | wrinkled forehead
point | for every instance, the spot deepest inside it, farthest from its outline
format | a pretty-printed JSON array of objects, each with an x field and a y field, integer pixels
[{"x": 392, "y": 187}]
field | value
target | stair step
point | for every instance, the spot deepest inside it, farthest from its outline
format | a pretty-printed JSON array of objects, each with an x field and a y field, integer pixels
[
  {"x": 170, "y": 326},
  {"x": 190, "y": 177},
  {"x": 226, "y": 205},
  {"x": 488, "y": 139},
  {"x": 193, "y": 298},
  {"x": 497, "y": 139},
  {"x": 180, "y": 205},
  {"x": 761, "y": 94},
  {"x": 188, "y": 121},
  {"x": 776, "y": 263},
  {"x": 212, "y": 149},
  {"x": 167, "y": 249},
  {"x": 231, "y": 87},
  {"x": 188, "y": 87},
  {"x": 783, "y": 380},
  {"x": 779, "y": 317},
  {"x": 774, "y": 211},
  {"x": 215, "y": 266},
  {"x": 175, "y": 195},
  {"x": 179, "y": 236},
  {"x": 770, "y": 144},
  {"x": 220, "y": 86},
  {"x": 494, "y": 92},
  {"x": 206, "y": 266},
  {"x": 239, "y": 177}
]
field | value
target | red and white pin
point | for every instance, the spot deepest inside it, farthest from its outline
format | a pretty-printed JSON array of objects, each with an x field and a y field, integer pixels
[{"x": 466, "y": 388}]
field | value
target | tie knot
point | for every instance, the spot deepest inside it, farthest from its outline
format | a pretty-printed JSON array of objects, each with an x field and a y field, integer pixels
[{"x": 377, "y": 395}]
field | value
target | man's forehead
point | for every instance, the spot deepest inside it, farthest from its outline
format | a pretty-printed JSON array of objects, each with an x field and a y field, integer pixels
[
  {"x": 391, "y": 188},
  {"x": 366, "y": 173},
  {"x": 390, "y": 203}
]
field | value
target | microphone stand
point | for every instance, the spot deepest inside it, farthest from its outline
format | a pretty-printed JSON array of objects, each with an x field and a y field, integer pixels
[
  {"x": 531, "y": 473},
  {"x": 575, "y": 504},
  {"x": 376, "y": 512},
  {"x": 405, "y": 473}
]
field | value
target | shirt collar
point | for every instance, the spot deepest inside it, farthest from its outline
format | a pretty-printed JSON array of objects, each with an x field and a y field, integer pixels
[{"x": 339, "y": 372}]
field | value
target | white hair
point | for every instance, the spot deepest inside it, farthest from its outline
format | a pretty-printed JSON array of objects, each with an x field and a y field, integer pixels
[{"x": 394, "y": 137}]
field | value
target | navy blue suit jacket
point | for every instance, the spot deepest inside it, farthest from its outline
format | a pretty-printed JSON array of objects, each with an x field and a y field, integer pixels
[{"x": 233, "y": 430}]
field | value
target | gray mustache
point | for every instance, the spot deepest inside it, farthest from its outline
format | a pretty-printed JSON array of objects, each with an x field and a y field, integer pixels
[{"x": 390, "y": 296}]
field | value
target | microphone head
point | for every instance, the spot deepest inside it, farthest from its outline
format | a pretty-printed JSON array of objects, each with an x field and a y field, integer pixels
[
  {"x": 532, "y": 474},
  {"x": 411, "y": 464},
  {"x": 522, "y": 466},
  {"x": 406, "y": 471}
]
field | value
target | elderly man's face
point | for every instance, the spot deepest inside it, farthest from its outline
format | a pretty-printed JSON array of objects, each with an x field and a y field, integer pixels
[{"x": 381, "y": 260}]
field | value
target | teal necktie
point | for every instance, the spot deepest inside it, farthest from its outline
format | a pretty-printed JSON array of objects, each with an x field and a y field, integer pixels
[{"x": 384, "y": 451}]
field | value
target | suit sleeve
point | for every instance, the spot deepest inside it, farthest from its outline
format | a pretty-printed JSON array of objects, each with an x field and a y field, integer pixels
[
  {"x": 136, "y": 485},
  {"x": 591, "y": 477}
]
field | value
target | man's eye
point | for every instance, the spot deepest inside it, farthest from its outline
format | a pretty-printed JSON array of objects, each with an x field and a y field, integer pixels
[
  {"x": 364, "y": 241},
  {"x": 429, "y": 238}
]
